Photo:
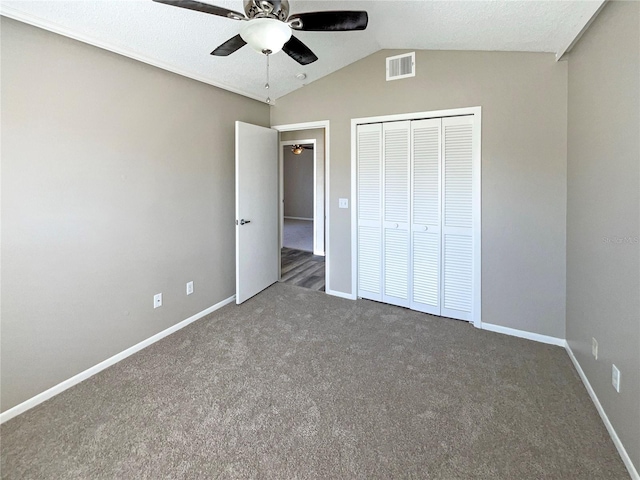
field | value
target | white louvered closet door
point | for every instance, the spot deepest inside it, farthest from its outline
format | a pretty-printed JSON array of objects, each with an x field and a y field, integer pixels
[
  {"x": 395, "y": 201},
  {"x": 457, "y": 217},
  {"x": 369, "y": 201},
  {"x": 425, "y": 215}
]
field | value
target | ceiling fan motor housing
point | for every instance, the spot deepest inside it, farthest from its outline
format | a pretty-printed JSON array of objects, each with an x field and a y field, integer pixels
[{"x": 278, "y": 9}]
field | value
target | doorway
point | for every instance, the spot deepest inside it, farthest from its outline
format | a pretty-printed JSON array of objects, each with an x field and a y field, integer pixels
[
  {"x": 300, "y": 195},
  {"x": 303, "y": 156}
]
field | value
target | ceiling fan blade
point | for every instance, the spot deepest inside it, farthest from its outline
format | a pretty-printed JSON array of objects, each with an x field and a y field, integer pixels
[
  {"x": 230, "y": 46},
  {"x": 329, "y": 21},
  {"x": 299, "y": 51},
  {"x": 204, "y": 7}
]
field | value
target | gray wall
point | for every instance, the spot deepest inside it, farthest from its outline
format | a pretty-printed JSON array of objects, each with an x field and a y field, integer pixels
[
  {"x": 316, "y": 134},
  {"x": 524, "y": 122},
  {"x": 117, "y": 183},
  {"x": 298, "y": 183},
  {"x": 603, "y": 212}
]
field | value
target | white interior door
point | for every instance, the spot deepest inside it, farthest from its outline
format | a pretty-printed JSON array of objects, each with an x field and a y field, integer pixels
[
  {"x": 417, "y": 222},
  {"x": 425, "y": 215},
  {"x": 257, "y": 252},
  {"x": 395, "y": 202},
  {"x": 369, "y": 191},
  {"x": 457, "y": 221}
]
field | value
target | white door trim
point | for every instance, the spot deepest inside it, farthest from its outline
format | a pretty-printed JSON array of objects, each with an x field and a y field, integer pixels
[
  {"x": 284, "y": 143},
  {"x": 477, "y": 194},
  {"x": 327, "y": 204}
]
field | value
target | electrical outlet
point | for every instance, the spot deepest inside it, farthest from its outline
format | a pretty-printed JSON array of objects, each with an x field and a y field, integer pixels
[
  {"x": 594, "y": 348},
  {"x": 190, "y": 288},
  {"x": 615, "y": 378},
  {"x": 157, "y": 300}
]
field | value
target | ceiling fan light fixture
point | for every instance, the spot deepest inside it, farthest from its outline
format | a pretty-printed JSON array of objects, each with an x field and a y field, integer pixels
[
  {"x": 266, "y": 34},
  {"x": 297, "y": 149}
]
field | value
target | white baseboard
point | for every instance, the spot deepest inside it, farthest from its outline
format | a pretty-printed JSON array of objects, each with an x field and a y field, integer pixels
[
  {"x": 524, "y": 334},
  {"x": 614, "y": 436},
  {"x": 61, "y": 387},
  {"x": 299, "y": 218},
  {"x": 335, "y": 293},
  {"x": 319, "y": 253}
]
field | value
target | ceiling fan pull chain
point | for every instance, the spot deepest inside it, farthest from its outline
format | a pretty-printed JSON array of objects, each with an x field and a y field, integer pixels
[{"x": 266, "y": 85}]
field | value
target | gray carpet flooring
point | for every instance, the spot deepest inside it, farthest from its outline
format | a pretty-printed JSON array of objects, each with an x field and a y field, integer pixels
[
  {"x": 298, "y": 384},
  {"x": 298, "y": 234}
]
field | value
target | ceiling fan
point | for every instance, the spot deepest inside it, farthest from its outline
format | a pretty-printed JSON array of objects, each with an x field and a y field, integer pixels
[
  {"x": 298, "y": 149},
  {"x": 268, "y": 27}
]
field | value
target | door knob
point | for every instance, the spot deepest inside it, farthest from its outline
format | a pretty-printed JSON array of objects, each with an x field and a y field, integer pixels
[
  {"x": 426, "y": 228},
  {"x": 243, "y": 221},
  {"x": 396, "y": 225}
]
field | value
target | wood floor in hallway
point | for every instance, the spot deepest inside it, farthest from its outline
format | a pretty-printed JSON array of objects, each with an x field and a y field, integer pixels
[{"x": 303, "y": 269}]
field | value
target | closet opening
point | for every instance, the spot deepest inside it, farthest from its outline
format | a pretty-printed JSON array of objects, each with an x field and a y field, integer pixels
[{"x": 416, "y": 216}]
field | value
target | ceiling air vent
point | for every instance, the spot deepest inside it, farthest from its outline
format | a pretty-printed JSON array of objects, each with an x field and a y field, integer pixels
[{"x": 401, "y": 66}]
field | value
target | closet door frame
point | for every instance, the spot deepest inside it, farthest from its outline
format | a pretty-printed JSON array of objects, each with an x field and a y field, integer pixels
[{"x": 476, "y": 112}]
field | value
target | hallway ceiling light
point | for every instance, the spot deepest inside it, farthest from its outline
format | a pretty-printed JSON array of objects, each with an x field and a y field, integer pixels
[{"x": 298, "y": 149}]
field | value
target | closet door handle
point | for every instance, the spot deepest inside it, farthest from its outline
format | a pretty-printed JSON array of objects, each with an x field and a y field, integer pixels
[
  {"x": 396, "y": 225},
  {"x": 426, "y": 228}
]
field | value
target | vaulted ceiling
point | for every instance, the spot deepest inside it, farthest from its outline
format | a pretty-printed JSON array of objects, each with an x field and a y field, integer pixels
[{"x": 181, "y": 40}]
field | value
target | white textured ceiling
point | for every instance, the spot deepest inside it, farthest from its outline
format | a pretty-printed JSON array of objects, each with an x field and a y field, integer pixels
[{"x": 181, "y": 40}]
